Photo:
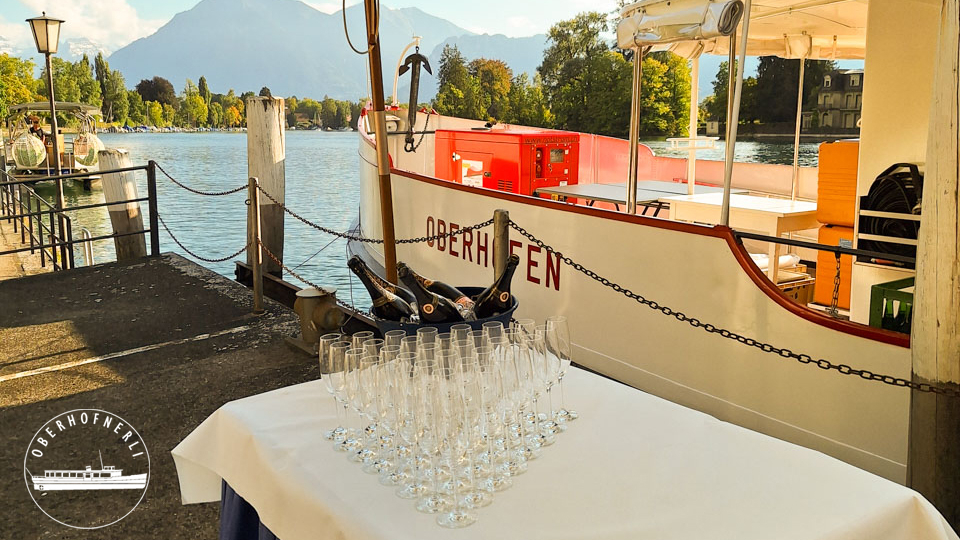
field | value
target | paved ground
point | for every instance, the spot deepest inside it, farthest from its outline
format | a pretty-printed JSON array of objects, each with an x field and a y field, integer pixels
[
  {"x": 17, "y": 264},
  {"x": 51, "y": 324}
]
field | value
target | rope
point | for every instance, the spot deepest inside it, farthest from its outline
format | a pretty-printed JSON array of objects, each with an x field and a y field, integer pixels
[
  {"x": 197, "y": 191},
  {"x": 346, "y": 32},
  {"x": 194, "y": 255}
]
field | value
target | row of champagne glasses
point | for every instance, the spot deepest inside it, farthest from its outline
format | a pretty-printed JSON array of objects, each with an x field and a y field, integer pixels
[{"x": 448, "y": 419}]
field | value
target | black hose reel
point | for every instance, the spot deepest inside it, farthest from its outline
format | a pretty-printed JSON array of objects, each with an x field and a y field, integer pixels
[{"x": 897, "y": 190}]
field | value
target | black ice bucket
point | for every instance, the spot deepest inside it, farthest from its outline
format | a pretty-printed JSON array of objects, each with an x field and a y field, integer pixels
[{"x": 411, "y": 328}]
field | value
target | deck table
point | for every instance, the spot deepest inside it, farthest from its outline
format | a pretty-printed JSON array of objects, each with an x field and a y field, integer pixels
[
  {"x": 633, "y": 466},
  {"x": 764, "y": 215},
  {"x": 649, "y": 193}
]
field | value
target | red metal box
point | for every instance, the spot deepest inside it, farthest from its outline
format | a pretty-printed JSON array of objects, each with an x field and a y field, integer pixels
[{"x": 507, "y": 160}]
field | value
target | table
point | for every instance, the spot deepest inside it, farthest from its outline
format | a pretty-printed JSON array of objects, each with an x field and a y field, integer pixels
[
  {"x": 764, "y": 215},
  {"x": 649, "y": 193},
  {"x": 633, "y": 466}
]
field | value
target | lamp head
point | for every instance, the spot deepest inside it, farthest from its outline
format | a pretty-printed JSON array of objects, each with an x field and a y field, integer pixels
[{"x": 46, "y": 33}]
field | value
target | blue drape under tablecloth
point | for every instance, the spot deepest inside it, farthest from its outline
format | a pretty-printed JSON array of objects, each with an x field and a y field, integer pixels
[{"x": 239, "y": 520}]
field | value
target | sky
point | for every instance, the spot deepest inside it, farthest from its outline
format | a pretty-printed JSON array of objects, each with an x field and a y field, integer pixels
[{"x": 115, "y": 23}]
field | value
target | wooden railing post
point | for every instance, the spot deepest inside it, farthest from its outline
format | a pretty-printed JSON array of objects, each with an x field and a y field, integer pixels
[
  {"x": 501, "y": 241},
  {"x": 254, "y": 249},
  {"x": 266, "y": 161}
]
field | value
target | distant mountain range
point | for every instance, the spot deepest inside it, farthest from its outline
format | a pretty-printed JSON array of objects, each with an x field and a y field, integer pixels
[{"x": 295, "y": 49}]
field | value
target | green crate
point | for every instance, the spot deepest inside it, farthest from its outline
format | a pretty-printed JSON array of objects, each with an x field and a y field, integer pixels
[{"x": 891, "y": 291}]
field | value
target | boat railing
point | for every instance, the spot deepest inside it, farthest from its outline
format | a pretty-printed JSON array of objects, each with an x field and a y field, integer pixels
[{"x": 45, "y": 228}]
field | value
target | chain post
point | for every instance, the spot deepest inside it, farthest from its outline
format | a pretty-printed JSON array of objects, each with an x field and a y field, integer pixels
[
  {"x": 154, "y": 210},
  {"x": 253, "y": 241},
  {"x": 501, "y": 241}
]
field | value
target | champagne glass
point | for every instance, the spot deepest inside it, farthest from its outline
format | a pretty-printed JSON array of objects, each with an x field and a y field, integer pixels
[
  {"x": 367, "y": 394},
  {"x": 453, "y": 440},
  {"x": 327, "y": 370},
  {"x": 558, "y": 340},
  {"x": 393, "y": 337},
  {"x": 408, "y": 344},
  {"x": 360, "y": 337},
  {"x": 492, "y": 330},
  {"x": 426, "y": 334},
  {"x": 550, "y": 373},
  {"x": 372, "y": 346},
  {"x": 460, "y": 332},
  {"x": 351, "y": 362}
]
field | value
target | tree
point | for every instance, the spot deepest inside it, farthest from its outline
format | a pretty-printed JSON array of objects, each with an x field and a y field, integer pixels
[
  {"x": 204, "y": 90},
  {"x": 231, "y": 116},
  {"x": 154, "y": 113},
  {"x": 265, "y": 92},
  {"x": 116, "y": 94},
  {"x": 494, "y": 78},
  {"x": 458, "y": 92},
  {"x": 328, "y": 113},
  {"x": 526, "y": 103},
  {"x": 16, "y": 81},
  {"x": 137, "y": 109},
  {"x": 776, "y": 88},
  {"x": 216, "y": 115},
  {"x": 168, "y": 114},
  {"x": 195, "y": 109},
  {"x": 160, "y": 90}
]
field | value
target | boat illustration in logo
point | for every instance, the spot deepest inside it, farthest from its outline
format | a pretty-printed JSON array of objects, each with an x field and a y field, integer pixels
[{"x": 106, "y": 477}]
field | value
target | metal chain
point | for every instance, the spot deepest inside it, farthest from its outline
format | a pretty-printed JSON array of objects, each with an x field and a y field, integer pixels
[
  {"x": 305, "y": 281},
  {"x": 357, "y": 238},
  {"x": 197, "y": 191},
  {"x": 765, "y": 347},
  {"x": 409, "y": 147},
  {"x": 194, "y": 255},
  {"x": 833, "y": 311}
]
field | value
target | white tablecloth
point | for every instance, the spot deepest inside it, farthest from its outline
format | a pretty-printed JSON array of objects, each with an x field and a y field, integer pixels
[{"x": 634, "y": 466}]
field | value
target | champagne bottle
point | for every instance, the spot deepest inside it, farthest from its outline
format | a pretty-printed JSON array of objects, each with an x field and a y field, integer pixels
[
  {"x": 386, "y": 304},
  {"x": 496, "y": 298},
  {"x": 432, "y": 307},
  {"x": 440, "y": 288},
  {"x": 402, "y": 292}
]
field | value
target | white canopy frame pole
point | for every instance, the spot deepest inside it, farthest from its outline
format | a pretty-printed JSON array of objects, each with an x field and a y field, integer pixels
[
  {"x": 396, "y": 72},
  {"x": 634, "y": 131},
  {"x": 795, "y": 186},
  {"x": 694, "y": 122},
  {"x": 734, "y": 118}
]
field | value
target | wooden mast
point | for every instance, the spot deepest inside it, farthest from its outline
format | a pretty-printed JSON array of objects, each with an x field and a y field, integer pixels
[
  {"x": 371, "y": 10},
  {"x": 933, "y": 464}
]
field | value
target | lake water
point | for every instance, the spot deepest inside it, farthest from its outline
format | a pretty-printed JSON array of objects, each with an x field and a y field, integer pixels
[{"x": 321, "y": 185}]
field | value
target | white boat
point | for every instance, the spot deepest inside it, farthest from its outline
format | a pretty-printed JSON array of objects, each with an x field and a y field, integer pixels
[
  {"x": 106, "y": 477},
  {"x": 701, "y": 271}
]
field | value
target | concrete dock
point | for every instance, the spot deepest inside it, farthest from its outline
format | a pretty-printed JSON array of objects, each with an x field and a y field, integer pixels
[{"x": 161, "y": 342}]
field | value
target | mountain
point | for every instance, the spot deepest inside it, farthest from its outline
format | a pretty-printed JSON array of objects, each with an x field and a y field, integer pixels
[{"x": 295, "y": 49}]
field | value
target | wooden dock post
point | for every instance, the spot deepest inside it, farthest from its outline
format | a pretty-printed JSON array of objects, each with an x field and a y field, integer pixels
[
  {"x": 254, "y": 251},
  {"x": 933, "y": 459},
  {"x": 501, "y": 241},
  {"x": 266, "y": 161},
  {"x": 126, "y": 218}
]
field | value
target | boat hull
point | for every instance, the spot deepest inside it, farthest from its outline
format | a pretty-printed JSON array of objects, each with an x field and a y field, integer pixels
[{"x": 698, "y": 271}]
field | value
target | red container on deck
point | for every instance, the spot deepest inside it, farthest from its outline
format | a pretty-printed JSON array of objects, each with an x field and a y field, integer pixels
[{"x": 507, "y": 160}]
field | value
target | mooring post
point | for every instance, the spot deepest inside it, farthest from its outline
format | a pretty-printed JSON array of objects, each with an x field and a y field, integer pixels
[
  {"x": 501, "y": 241},
  {"x": 126, "y": 217},
  {"x": 254, "y": 251},
  {"x": 933, "y": 458},
  {"x": 266, "y": 158}
]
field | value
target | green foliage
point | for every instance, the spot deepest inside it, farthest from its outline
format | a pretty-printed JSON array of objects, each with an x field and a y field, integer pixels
[
  {"x": 215, "y": 115},
  {"x": 155, "y": 113},
  {"x": 17, "y": 84},
  {"x": 265, "y": 92},
  {"x": 168, "y": 114},
  {"x": 204, "y": 89},
  {"x": 137, "y": 109},
  {"x": 71, "y": 82}
]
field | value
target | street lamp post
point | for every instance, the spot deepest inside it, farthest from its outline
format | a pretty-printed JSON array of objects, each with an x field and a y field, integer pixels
[{"x": 46, "y": 35}]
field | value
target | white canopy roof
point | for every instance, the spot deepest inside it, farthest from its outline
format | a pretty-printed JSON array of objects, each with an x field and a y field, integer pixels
[{"x": 815, "y": 29}]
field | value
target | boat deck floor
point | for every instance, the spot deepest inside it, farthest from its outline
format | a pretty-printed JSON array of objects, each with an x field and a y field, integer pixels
[{"x": 160, "y": 342}]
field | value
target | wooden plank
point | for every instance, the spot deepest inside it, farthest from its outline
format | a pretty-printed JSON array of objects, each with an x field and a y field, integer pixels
[
  {"x": 266, "y": 161},
  {"x": 934, "y": 452}
]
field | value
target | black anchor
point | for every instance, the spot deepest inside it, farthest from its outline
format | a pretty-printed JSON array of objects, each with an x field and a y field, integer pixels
[{"x": 413, "y": 63}]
